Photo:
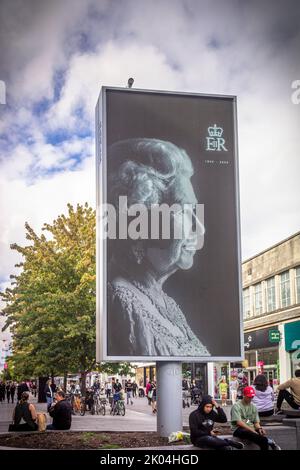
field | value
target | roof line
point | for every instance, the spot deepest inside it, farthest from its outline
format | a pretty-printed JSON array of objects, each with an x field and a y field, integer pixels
[{"x": 271, "y": 247}]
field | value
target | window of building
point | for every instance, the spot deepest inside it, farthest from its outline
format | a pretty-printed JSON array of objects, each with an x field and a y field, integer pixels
[
  {"x": 246, "y": 302},
  {"x": 268, "y": 356},
  {"x": 298, "y": 285},
  {"x": 258, "y": 299},
  {"x": 285, "y": 289},
  {"x": 270, "y": 294}
]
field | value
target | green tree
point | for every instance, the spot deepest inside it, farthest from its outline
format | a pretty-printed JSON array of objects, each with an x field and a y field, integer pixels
[{"x": 50, "y": 306}]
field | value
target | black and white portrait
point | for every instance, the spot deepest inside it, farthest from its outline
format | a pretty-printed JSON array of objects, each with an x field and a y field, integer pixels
[
  {"x": 150, "y": 171},
  {"x": 169, "y": 297}
]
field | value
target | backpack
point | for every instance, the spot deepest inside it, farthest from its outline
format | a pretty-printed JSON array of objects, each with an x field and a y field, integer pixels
[{"x": 41, "y": 421}]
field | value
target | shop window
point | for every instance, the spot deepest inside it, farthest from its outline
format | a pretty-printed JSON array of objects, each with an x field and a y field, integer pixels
[
  {"x": 258, "y": 299},
  {"x": 246, "y": 303},
  {"x": 270, "y": 294},
  {"x": 298, "y": 285},
  {"x": 285, "y": 289},
  {"x": 268, "y": 356}
]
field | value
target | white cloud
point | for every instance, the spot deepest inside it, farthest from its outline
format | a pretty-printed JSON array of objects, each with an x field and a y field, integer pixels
[
  {"x": 38, "y": 203},
  {"x": 213, "y": 47},
  {"x": 112, "y": 64}
]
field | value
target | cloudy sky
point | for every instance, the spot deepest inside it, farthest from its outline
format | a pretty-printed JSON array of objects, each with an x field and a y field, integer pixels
[{"x": 55, "y": 55}]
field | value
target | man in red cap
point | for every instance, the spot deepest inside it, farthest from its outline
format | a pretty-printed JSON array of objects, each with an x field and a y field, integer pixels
[{"x": 245, "y": 420}]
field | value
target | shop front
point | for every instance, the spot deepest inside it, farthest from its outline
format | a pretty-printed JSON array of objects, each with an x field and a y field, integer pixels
[
  {"x": 292, "y": 344},
  {"x": 145, "y": 373},
  {"x": 262, "y": 353}
]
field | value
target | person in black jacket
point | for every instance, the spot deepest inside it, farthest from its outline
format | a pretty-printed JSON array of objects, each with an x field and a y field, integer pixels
[
  {"x": 61, "y": 413},
  {"x": 202, "y": 423}
]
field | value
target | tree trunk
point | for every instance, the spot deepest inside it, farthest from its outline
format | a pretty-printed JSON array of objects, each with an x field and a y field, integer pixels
[
  {"x": 65, "y": 381},
  {"x": 83, "y": 382}
]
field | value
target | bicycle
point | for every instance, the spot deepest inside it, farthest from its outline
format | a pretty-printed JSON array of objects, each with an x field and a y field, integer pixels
[
  {"x": 87, "y": 400},
  {"x": 100, "y": 405},
  {"x": 118, "y": 408}
]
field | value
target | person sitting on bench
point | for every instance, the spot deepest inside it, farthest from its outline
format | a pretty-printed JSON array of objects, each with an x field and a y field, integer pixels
[
  {"x": 201, "y": 425},
  {"x": 245, "y": 422},
  {"x": 293, "y": 399}
]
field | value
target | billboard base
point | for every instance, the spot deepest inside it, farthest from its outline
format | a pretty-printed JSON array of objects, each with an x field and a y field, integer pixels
[{"x": 169, "y": 397}]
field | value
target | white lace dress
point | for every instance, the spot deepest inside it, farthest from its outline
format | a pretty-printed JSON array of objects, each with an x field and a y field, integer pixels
[{"x": 139, "y": 326}]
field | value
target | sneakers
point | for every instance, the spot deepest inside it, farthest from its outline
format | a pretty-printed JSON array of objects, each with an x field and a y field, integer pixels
[
  {"x": 278, "y": 412},
  {"x": 236, "y": 444},
  {"x": 273, "y": 444}
]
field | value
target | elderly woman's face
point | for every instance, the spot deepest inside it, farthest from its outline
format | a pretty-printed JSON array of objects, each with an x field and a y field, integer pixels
[{"x": 178, "y": 253}]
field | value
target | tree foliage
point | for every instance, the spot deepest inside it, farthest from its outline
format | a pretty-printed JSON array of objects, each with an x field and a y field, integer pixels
[{"x": 50, "y": 306}]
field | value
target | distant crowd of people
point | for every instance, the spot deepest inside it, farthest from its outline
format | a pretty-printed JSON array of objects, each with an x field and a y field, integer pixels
[{"x": 10, "y": 388}]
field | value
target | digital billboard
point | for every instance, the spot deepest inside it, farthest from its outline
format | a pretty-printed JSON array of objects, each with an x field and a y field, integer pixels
[{"x": 168, "y": 236}]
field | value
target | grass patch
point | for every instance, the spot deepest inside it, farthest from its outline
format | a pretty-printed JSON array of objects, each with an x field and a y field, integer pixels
[
  {"x": 110, "y": 446},
  {"x": 87, "y": 436}
]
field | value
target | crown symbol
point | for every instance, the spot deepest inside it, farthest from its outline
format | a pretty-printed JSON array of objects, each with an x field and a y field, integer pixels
[{"x": 215, "y": 131}]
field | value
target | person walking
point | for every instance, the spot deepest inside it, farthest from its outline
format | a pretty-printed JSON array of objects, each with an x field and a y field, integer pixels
[
  {"x": 233, "y": 388},
  {"x": 264, "y": 396},
  {"x": 128, "y": 390},
  {"x": 148, "y": 392},
  {"x": 293, "y": 398},
  {"x": 134, "y": 389},
  {"x": 12, "y": 391},
  {"x": 24, "y": 411},
  {"x": 8, "y": 392},
  {"x": 154, "y": 397},
  {"x": 246, "y": 424},
  {"x": 223, "y": 389},
  {"x": 108, "y": 390},
  {"x": 2, "y": 391},
  {"x": 202, "y": 422},
  {"x": 49, "y": 394}
]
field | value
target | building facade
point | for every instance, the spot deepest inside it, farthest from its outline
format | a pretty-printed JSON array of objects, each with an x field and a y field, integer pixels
[{"x": 271, "y": 309}]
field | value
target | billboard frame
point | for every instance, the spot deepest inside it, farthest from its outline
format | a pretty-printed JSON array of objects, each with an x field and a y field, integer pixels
[{"x": 101, "y": 243}]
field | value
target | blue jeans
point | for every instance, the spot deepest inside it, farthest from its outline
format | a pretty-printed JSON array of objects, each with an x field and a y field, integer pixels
[
  {"x": 129, "y": 397},
  {"x": 49, "y": 402},
  {"x": 50, "y": 427}
]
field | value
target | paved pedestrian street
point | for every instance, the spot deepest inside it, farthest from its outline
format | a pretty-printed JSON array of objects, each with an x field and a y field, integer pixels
[{"x": 138, "y": 417}]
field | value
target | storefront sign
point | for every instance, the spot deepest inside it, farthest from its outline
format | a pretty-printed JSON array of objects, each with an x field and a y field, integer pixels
[
  {"x": 274, "y": 336},
  {"x": 260, "y": 339},
  {"x": 292, "y": 336}
]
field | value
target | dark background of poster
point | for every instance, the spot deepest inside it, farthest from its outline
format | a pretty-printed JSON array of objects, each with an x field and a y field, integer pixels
[{"x": 208, "y": 293}]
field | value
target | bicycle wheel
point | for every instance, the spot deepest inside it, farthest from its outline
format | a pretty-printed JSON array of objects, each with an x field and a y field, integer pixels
[
  {"x": 103, "y": 410},
  {"x": 82, "y": 409},
  {"x": 122, "y": 409},
  {"x": 93, "y": 409}
]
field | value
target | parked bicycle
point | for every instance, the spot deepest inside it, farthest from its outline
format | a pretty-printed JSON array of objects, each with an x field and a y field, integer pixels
[
  {"x": 100, "y": 404},
  {"x": 118, "y": 405},
  {"x": 87, "y": 403},
  {"x": 75, "y": 401}
]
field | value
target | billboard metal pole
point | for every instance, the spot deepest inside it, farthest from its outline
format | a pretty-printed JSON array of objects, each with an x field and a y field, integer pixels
[{"x": 169, "y": 397}]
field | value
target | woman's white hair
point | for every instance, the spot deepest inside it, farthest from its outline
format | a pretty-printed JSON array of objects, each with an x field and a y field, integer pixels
[{"x": 145, "y": 171}]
